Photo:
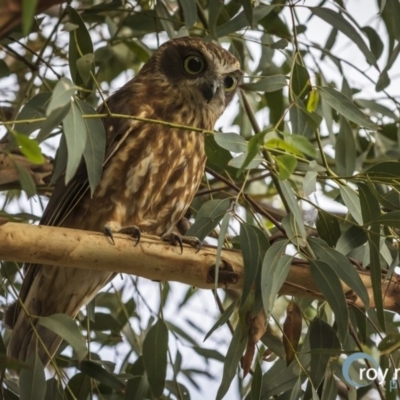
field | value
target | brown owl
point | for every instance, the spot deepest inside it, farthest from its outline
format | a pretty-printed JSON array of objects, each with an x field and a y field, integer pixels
[{"x": 150, "y": 175}]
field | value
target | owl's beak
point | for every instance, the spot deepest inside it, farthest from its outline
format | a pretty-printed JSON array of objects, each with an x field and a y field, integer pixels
[{"x": 209, "y": 89}]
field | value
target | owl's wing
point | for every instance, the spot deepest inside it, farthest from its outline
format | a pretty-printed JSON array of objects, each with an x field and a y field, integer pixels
[{"x": 65, "y": 197}]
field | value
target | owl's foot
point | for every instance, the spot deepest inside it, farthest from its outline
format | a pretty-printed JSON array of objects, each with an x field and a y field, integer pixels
[
  {"x": 175, "y": 239},
  {"x": 133, "y": 231}
]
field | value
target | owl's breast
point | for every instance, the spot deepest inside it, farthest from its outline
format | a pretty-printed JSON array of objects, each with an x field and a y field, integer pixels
[{"x": 149, "y": 182}]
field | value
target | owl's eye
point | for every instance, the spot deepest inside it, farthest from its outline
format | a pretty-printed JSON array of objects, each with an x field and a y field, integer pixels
[
  {"x": 230, "y": 82},
  {"x": 193, "y": 65}
]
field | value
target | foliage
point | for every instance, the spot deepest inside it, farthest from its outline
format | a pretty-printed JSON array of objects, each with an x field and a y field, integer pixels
[{"x": 311, "y": 173}]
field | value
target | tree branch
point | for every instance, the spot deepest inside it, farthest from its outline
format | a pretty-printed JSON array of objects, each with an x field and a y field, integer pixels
[{"x": 157, "y": 260}]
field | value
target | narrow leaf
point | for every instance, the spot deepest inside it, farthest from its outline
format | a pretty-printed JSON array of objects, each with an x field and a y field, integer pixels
[
  {"x": 65, "y": 327},
  {"x": 232, "y": 359},
  {"x": 269, "y": 84},
  {"x": 254, "y": 244},
  {"x": 155, "y": 347},
  {"x": 275, "y": 268},
  {"x": 340, "y": 23},
  {"x": 95, "y": 144},
  {"x": 96, "y": 371},
  {"x": 328, "y": 282},
  {"x": 231, "y": 142},
  {"x": 345, "y": 106},
  {"x": 208, "y": 217},
  {"x": 342, "y": 266},
  {"x": 189, "y": 12},
  {"x": 32, "y": 380},
  {"x": 76, "y": 137}
]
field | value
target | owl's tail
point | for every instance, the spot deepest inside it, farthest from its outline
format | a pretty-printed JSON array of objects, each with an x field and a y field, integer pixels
[
  {"x": 29, "y": 337},
  {"x": 48, "y": 290}
]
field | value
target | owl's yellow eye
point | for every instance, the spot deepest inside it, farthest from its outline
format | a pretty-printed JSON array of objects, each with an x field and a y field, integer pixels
[
  {"x": 193, "y": 65},
  {"x": 230, "y": 82}
]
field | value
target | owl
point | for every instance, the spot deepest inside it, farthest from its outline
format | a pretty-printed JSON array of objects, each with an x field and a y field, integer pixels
[{"x": 150, "y": 175}]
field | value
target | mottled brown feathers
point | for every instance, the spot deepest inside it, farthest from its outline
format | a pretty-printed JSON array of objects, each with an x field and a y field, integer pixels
[{"x": 150, "y": 175}]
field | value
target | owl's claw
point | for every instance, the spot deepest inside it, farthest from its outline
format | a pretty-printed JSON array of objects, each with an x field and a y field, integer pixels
[
  {"x": 175, "y": 239},
  {"x": 133, "y": 231},
  {"x": 109, "y": 233}
]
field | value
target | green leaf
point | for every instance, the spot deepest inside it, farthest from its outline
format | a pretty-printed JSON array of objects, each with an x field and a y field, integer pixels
[
  {"x": 231, "y": 142},
  {"x": 232, "y": 359},
  {"x": 221, "y": 240},
  {"x": 277, "y": 143},
  {"x": 29, "y": 148},
  {"x": 28, "y": 14},
  {"x": 299, "y": 80},
  {"x": 208, "y": 217},
  {"x": 65, "y": 327},
  {"x": 54, "y": 390},
  {"x": 375, "y": 42},
  {"x": 4, "y": 70},
  {"x": 302, "y": 144},
  {"x": 155, "y": 348},
  {"x": 322, "y": 337},
  {"x": 189, "y": 12},
  {"x": 294, "y": 208},
  {"x": 80, "y": 44},
  {"x": 256, "y": 383},
  {"x": 376, "y": 271},
  {"x": 96, "y": 371},
  {"x": 52, "y": 122},
  {"x": 310, "y": 182},
  {"x": 328, "y": 227},
  {"x": 61, "y": 96},
  {"x": 254, "y": 145},
  {"x": 352, "y": 202},
  {"x": 389, "y": 219},
  {"x": 385, "y": 172},
  {"x": 224, "y": 318},
  {"x": 95, "y": 144},
  {"x": 76, "y": 138},
  {"x": 238, "y": 161},
  {"x": 370, "y": 209},
  {"x": 85, "y": 66},
  {"x": 217, "y": 157},
  {"x": 240, "y": 21},
  {"x": 25, "y": 179},
  {"x": 275, "y": 267},
  {"x": 330, "y": 388},
  {"x": 137, "y": 387},
  {"x": 269, "y": 84},
  {"x": 345, "y": 106},
  {"x": 287, "y": 164},
  {"x": 345, "y": 149},
  {"x": 340, "y": 23},
  {"x": 351, "y": 239},
  {"x": 32, "y": 380},
  {"x": 254, "y": 244},
  {"x": 342, "y": 267},
  {"x": 377, "y": 108},
  {"x": 33, "y": 109},
  {"x": 328, "y": 283},
  {"x": 80, "y": 386}
]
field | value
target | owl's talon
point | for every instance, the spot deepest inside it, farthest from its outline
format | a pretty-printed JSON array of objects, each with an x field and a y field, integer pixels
[
  {"x": 133, "y": 231},
  {"x": 173, "y": 239},
  {"x": 109, "y": 233}
]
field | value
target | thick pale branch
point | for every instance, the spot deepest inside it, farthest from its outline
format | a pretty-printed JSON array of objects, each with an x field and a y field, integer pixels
[{"x": 156, "y": 260}]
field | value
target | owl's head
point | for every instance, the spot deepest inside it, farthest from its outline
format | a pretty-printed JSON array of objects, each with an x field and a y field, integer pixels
[{"x": 206, "y": 75}]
